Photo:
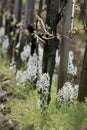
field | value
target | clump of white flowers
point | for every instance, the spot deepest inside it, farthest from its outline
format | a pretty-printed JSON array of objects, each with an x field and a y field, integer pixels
[
  {"x": 67, "y": 94},
  {"x": 43, "y": 89},
  {"x": 21, "y": 78},
  {"x": 71, "y": 68},
  {"x": 25, "y": 53},
  {"x": 2, "y": 31},
  {"x": 12, "y": 68},
  {"x": 5, "y": 44},
  {"x": 32, "y": 66},
  {"x": 30, "y": 74}
]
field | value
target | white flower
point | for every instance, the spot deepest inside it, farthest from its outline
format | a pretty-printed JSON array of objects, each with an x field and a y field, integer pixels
[
  {"x": 71, "y": 55},
  {"x": 10, "y": 122},
  {"x": 33, "y": 60},
  {"x": 30, "y": 74},
  {"x": 44, "y": 83},
  {"x": 5, "y": 45},
  {"x": 25, "y": 53},
  {"x": 43, "y": 89},
  {"x": 76, "y": 88},
  {"x": 71, "y": 68},
  {"x": 12, "y": 68},
  {"x": 2, "y": 106},
  {"x": 32, "y": 66},
  {"x": 67, "y": 93},
  {"x": 39, "y": 104},
  {"x": 21, "y": 79},
  {"x": 19, "y": 75}
]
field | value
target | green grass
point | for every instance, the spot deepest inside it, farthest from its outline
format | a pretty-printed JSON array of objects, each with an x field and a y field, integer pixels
[
  {"x": 25, "y": 112},
  {"x": 24, "y": 109}
]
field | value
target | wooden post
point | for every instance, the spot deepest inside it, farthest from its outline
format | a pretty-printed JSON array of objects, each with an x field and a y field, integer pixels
[{"x": 64, "y": 47}]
